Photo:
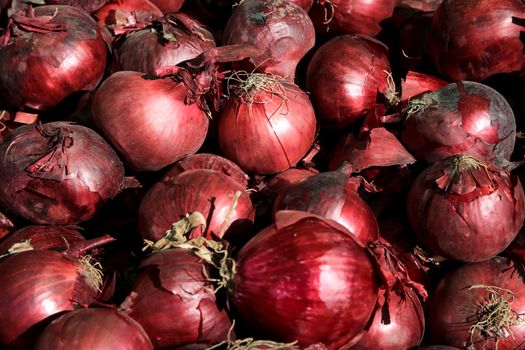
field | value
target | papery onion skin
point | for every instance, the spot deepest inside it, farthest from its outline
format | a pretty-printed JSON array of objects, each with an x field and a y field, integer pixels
[
  {"x": 461, "y": 118},
  {"x": 148, "y": 121},
  {"x": 305, "y": 279},
  {"x": 88, "y": 5},
  {"x": 175, "y": 302},
  {"x": 88, "y": 329},
  {"x": 168, "y": 6},
  {"x": 40, "y": 70},
  {"x": 454, "y": 307},
  {"x": 470, "y": 214},
  {"x": 405, "y": 328},
  {"x": 351, "y": 17},
  {"x": 279, "y": 27},
  {"x": 208, "y": 192},
  {"x": 332, "y": 195},
  {"x": 416, "y": 83},
  {"x": 118, "y": 13},
  {"x": 344, "y": 77},
  {"x": 57, "y": 173},
  {"x": 264, "y": 132},
  {"x": 473, "y": 40},
  {"x": 37, "y": 285},
  {"x": 421, "y": 5},
  {"x": 6, "y": 225},
  {"x": 148, "y": 51}
]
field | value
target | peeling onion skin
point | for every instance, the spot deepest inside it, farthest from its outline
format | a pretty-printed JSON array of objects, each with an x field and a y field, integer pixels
[
  {"x": 88, "y": 5},
  {"x": 207, "y": 191},
  {"x": 281, "y": 28},
  {"x": 344, "y": 77},
  {"x": 305, "y": 278},
  {"x": 40, "y": 70},
  {"x": 467, "y": 215},
  {"x": 453, "y": 306},
  {"x": 147, "y": 121},
  {"x": 351, "y": 16},
  {"x": 88, "y": 329},
  {"x": 83, "y": 172},
  {"x": 461, "y": 118},
  {"x": 115, "y": 12},
  {"x": 36, "y": 285},
  {"x": 269, "y": 134},
  {"x": 473, "y": 40},
  {"x": 174, "y": 302}
]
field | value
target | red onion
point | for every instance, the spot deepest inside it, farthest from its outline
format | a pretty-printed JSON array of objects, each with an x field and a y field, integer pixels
[
  {"x": 88, "y": 329},
  {"x": 416, "y": 83},
  {"x": 37, "y": 285},
  {"x": 351, "y": 17},
  {"x": 480, "y": 305},
  {"x": 57, "y": 173},
  {"x": 48, "y": 55},
  {"x": 421, "y": 5},
  {"x": 88, "y": 5},
  {"x": 399, "y": 324},
  {"x": 209, "y": 161},
  {"x": 473, "y": 39},
  {"x": 6, "y": 225},
  {"x": 224, "y": 203},
  {"x": 305, "y": 279},
  {"x": 166, "y": 43},
  {"x": 175, "y": 302},
  {"x": 344, "y": 77},
  {"x": 464, "y": 209},
  {"x": 149, "y": 121},
  {"x": 460, "y": 118},
  {"x": 332, "y": 195},
  {"x": 267, "y": 125},
  {"x": 168, "y": 6},
  {"x": 281, "y": 182},
  {"x": 279, "y": 27},
  {"x": 119, "y": 14}
]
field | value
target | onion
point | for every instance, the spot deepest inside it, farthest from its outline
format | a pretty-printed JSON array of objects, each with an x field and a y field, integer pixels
[
  {"x": 351, "y": 17},
  {"x": 168, "y": 6},
  {"x": 41, "y": 284},
  {"x": 305, "y": 279},
  {"x": 465, "y": 209},
  {"x": 224, "y": 203},
  {"x": 479, "y": 305},
  {"x": 6, "y": 225},
  {"x": 149, "y": 120},
  {"x": 473, "y": 39},
  {"x": 209, "y": 161},
  {"x": 461, "y": 118},
  {"x": 175, "y": 302},
  {"x": 400, "y": 324},
  {"x": 344, "y": 77},
  {"x": 416, "y": 83},
  {"x": 421, "y": 5},
  {"x": 167, "y": 43},
  {"x": 332, "y": 195},
  {"x": 57, "y": 173},
  {"x": 268, "y": 124},
  {"x": 279, "y": 27},
  {"x": 281, "y": 182},
  {"x": 94, "y": 329},
  {"x": 53, "y": 52},
  {"x": 121, "y": 14},
  {"x": 88, "y": 5}
]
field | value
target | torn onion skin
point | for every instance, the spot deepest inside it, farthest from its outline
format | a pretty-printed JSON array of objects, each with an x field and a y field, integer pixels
[
  {"x": 88, "y": 5},
  {"x": 123, "y": 13}
]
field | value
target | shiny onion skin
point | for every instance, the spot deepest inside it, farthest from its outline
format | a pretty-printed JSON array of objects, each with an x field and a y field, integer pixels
[
  {"x": 118, "y": 14},
  {"x": 88, "y": 5},
  {"x": 209, "y": 192},
  {"x": 175, "y": 302},
  {"x": 209, "y": 161},
  {"x": 148, "y": 120},
  {"x": 474, "y": 39},
  {"x": 344, "y": 77},
  {"x": 37, "y": 285},
  {"x": 416, "y": 83},
  {"x": 466, "y": 210},
  {"x": 168, "y": 6},
  {"x": 279, "y": 27},
  {"x": 89, "y": 329},
  {"x": 405, "y": 327},
  {"x": 267, "y": 129},
  {"x": 281, "y": 182},
  {"x": 57, "y": 173},
  {"x": 305, "y": 279},
  {"x": 351, "y": 16},
  {"x": 178, "y": 39},
  {"x": 332, "y": 195},
  {"x": 461, "y": 118},
  {"x": 462, "y": 299},
  {"x": 421, "y": 5},
  {"x": 39, "y": 70}
]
